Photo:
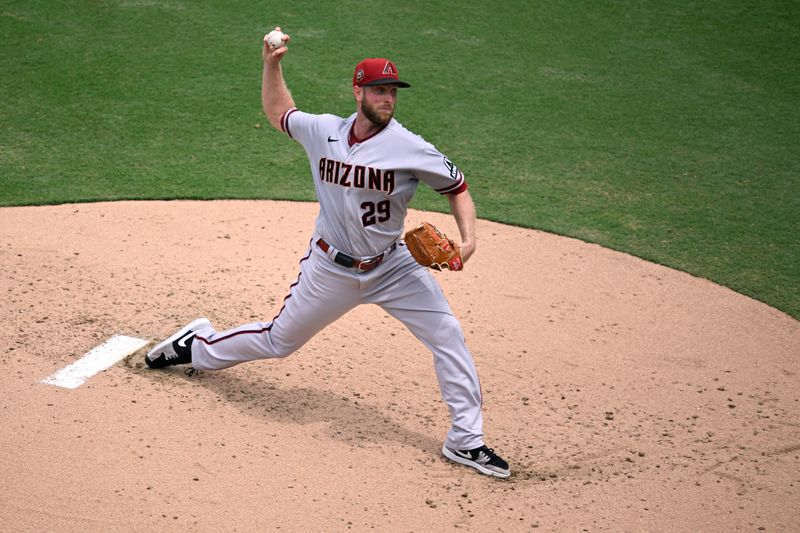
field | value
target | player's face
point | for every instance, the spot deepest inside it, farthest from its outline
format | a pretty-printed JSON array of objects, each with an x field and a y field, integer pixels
[{"x": 377, "y": 103}]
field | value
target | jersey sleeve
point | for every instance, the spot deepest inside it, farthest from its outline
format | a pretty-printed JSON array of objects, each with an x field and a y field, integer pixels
[
  {"x": 435, "y": 169},
  {"x": 299, "y": 125}
]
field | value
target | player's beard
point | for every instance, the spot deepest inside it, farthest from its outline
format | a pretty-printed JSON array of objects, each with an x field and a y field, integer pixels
[{"x": 373, "y": 116}]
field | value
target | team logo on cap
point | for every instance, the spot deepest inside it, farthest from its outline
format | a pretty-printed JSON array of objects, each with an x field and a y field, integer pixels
[
  {"x": 387, "y": 69},
  {"x": 360, "y": 75}
]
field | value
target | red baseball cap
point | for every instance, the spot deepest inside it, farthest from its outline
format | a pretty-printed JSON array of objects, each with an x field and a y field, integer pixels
[{"x": 376, "y": 71}]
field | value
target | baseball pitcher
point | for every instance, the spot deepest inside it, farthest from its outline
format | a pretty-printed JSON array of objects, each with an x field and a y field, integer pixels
[{"x": 365, "y": 168}]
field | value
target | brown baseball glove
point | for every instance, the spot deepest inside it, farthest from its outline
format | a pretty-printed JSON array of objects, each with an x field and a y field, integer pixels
[{"x": 431, "y": 248}]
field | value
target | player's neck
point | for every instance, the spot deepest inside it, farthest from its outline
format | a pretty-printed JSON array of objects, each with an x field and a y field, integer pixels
[{"x": 363, "y": 128}]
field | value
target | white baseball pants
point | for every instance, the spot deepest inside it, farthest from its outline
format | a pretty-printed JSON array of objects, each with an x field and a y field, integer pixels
[{"x": 324, "y": 291}]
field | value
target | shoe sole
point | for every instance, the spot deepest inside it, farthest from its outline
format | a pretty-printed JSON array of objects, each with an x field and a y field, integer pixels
[
  {"x": 466, "y": 462},
  {"x": 200, "y": 323}
]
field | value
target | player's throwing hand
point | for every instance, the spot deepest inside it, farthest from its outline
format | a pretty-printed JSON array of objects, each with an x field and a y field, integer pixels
[{"x": 275, "y": 46}]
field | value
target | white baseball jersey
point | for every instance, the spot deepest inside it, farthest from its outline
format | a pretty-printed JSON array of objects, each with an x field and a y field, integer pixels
[{"x": 364, "y": 189}]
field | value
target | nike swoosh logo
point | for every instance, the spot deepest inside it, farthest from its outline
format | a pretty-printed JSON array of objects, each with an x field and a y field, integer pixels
[
  {"x": 332, "y": 140},
  {"x": 464, "y": 455},
  {"x": 182, "y": 341}
]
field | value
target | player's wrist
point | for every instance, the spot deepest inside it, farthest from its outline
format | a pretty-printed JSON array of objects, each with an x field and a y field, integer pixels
[{"x": 467, "y": 249}]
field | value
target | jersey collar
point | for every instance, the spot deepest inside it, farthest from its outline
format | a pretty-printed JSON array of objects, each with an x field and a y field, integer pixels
[{"x": 352, "y": 139}]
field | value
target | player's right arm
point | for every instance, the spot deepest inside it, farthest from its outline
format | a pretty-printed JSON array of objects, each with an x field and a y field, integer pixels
[{"x": 275, "y": 96}]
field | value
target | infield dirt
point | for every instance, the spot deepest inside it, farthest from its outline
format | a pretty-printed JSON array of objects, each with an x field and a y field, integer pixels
[{"x": 626, "y": 396}]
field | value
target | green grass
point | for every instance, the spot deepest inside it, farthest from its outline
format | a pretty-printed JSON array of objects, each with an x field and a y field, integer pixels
[{"x": 668, "y": 130}]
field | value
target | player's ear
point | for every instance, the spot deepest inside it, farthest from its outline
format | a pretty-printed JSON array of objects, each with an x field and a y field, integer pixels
[{"x": 358, "y": 93}]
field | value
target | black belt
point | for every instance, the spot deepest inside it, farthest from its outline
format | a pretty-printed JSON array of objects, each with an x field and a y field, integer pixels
[{"x": 351, "y": 262}]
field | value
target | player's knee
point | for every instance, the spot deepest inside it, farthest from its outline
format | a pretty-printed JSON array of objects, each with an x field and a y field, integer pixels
[
  {"x": 283, "y": 351},
  {"x": 449, "y": 330},
  {"x": 284, "y": 347}
]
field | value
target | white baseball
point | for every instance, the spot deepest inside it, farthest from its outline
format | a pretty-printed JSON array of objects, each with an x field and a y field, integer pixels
[{"x": 274, "y": 38}]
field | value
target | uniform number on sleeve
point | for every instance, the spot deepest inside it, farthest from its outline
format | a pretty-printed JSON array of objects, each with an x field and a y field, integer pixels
[{"x": 380, "y": 212}]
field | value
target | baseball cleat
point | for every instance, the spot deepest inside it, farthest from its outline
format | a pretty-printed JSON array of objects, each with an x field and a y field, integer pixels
[
  {"x": 482, "y": 459},
  {"x": 176, "y": 350}
]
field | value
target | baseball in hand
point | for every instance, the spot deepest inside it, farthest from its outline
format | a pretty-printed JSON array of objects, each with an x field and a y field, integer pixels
[{"x": 274, "y": 38}]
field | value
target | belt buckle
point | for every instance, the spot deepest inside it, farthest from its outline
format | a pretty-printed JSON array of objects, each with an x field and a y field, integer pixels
[{"x": 366, "y": 266}]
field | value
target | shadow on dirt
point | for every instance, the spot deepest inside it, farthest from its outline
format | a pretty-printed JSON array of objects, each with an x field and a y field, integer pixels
[{"x": 351, "y": 420}]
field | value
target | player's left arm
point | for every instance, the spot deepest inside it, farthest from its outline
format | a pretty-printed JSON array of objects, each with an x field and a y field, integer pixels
[{"x": 463, "y": 209}]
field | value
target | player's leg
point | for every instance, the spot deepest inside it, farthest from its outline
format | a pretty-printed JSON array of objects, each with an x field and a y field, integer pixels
[
  {"x": 323, "y": 292},
  {"x": 409, "y": 293}
]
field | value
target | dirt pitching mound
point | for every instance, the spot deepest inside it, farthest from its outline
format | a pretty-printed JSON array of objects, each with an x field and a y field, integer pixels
[{"x": 625, "y": 395}]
